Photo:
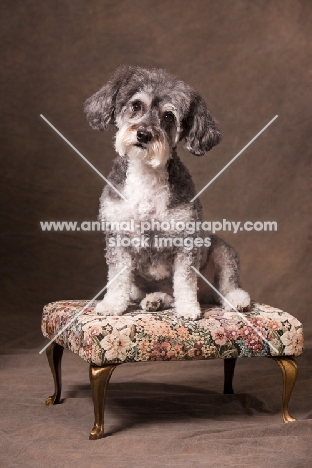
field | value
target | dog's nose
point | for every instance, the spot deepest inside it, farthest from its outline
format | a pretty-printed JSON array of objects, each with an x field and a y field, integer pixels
[{"x": 144, "y": 136}]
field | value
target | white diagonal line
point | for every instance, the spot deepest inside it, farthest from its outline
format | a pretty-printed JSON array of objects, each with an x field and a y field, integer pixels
[
  {"x": 239, "y": 313},
  {"x": 235, "y": 157},
  {"x": 83, "y": 309},
  {"x": 82, "y": 156}
]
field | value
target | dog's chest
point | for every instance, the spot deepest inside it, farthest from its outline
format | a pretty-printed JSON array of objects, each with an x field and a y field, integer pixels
[{"x": 147, "y": 192}]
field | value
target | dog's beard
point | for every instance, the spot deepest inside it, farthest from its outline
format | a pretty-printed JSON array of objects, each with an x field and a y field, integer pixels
[{"x": 155, "y": 153}]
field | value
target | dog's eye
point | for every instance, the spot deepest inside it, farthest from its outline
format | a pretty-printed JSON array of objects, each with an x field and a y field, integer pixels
[
  {"x": 168, "y": 117},
  {"x": 137, "y": 106}
]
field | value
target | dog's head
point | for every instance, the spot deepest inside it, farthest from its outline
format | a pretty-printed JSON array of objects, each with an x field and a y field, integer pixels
[{"x": 153, "y": 111}]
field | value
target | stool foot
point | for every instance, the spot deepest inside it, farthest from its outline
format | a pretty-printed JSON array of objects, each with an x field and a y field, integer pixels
[
  {"x": 54, "y": 354},
  {"x": 229, "y": 367},
  {"x": 289, "y": 369},
  {"x": 99, "y": 378}
]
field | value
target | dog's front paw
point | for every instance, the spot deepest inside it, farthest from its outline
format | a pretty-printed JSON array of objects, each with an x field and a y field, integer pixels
[
  {"x": 156, "y": 301},
  {"x": 238, "y": 298},
  {"x": 188, "y": 311},
  {"x": 102, "y": 309},
  {"x": 110, "y": 306}
]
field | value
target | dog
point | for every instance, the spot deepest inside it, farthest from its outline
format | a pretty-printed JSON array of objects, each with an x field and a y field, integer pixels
[{"x": 153, "y": 111}]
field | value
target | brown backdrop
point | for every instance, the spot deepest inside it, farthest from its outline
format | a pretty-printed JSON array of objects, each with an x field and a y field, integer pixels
[{"x": 249, "y": 60}]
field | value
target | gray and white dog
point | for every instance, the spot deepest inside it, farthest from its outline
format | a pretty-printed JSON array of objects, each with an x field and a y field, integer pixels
[{"x": 153, "y": 111}]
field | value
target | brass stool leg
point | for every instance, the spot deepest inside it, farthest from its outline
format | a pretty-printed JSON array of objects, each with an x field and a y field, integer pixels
[
  {"x": 99, "y": 378},
  {"x": 290, "y": 370},
  {"x": 229, "y": 367},
  {"x": 54, "y": 354}
]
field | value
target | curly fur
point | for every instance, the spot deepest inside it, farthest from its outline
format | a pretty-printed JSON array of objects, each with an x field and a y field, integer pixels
[{"x": 153, "y": 111}]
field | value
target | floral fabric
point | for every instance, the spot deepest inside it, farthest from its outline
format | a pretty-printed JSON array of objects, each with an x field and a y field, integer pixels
[{"x": 161, "y": 336}]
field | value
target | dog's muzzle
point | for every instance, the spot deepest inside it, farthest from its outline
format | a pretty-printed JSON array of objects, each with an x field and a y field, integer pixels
[{"x": 144, "y": 136}]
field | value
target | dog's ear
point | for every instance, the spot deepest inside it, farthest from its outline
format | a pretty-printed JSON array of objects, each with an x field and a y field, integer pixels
[
  {"x": 100, "y": 108},
  {"x": 200, "y": 128}
]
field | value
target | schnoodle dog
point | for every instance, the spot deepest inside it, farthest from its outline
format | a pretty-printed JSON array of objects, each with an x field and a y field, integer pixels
[{"x": 153, "y": 111}]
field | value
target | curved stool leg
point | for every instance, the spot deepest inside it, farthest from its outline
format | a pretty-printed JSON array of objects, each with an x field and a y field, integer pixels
[
  {"x": 54, "y": 354},
  {"x": 289, "y": 369},
  {"x": 99, "y": 378},
  {"x": 229, "y": 367}
]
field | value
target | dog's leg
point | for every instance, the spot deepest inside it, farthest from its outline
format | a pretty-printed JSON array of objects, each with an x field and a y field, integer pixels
[
  {"x": 185, "y": 286},
  {"x": 136, "y": 294},
  {"x": 226, "y": 265},
  {"x": 117, "y": 298}
]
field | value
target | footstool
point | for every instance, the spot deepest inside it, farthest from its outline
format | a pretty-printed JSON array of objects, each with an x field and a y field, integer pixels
[{"x": 136, "y": 336}]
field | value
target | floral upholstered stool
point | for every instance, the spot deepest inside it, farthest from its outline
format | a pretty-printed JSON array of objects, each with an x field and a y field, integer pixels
[{"x": 136, "y": 336}]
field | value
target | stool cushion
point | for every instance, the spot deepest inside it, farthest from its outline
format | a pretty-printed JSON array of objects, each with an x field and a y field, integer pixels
[{"x": 161, "y": 336}]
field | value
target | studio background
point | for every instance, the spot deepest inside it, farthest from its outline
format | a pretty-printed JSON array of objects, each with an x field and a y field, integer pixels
[{"x": 249, "y": 61}]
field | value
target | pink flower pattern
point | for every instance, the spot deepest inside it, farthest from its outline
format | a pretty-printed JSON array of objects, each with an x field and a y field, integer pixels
[{"x": 219, "y": 336}]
